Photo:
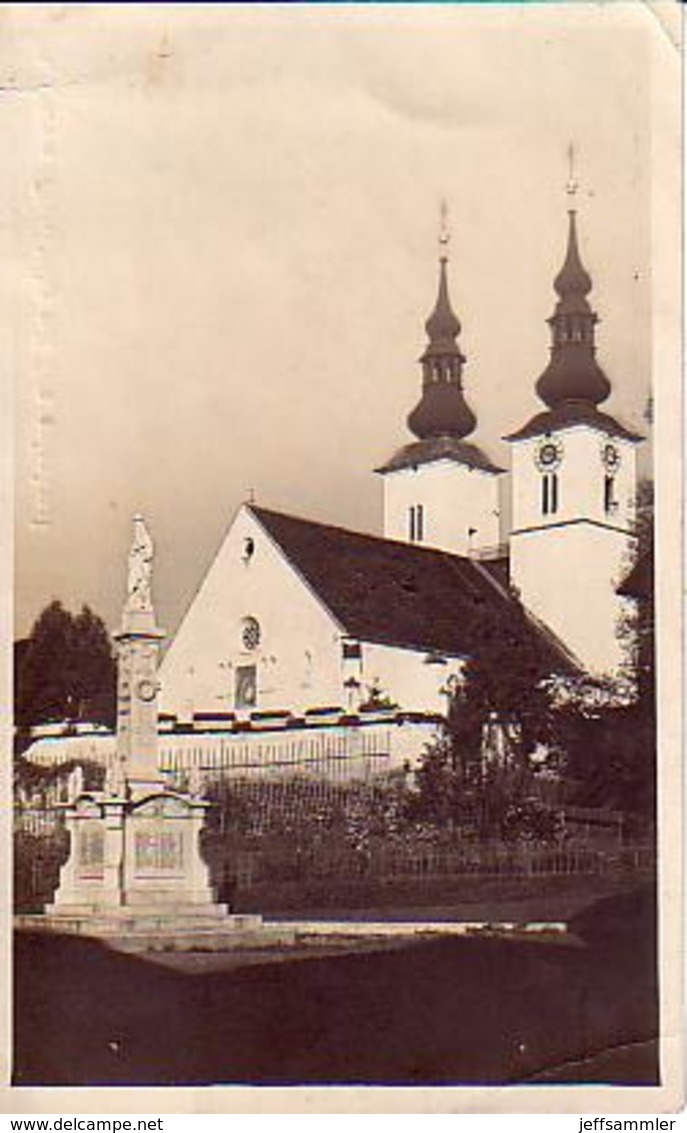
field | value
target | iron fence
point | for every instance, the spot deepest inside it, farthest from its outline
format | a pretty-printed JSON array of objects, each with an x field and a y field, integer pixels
[
  {"x": 416, "y": 861},
  {"x": 331, "y": 855}
]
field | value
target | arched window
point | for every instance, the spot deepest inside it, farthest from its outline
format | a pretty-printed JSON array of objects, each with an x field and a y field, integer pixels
[{"x": 245, "y": 686}]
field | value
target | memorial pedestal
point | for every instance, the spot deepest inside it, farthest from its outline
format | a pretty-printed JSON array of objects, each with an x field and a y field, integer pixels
[
  {"x": 135, "y": 878},
  {"x": 134, "y": 852}
]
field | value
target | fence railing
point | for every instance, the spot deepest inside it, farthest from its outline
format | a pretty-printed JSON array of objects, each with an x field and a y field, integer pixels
[
  {"x": 418, "y": 862},
  {"x": 333, "y": 861},
  {"x": 338, "y": 757}
]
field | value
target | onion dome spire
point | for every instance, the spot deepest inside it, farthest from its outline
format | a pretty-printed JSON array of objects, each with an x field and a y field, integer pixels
[
  {"x": 442, "y": 410},
  {"x": 573, "y": 374},
  {"x": 573, "y": 384}
]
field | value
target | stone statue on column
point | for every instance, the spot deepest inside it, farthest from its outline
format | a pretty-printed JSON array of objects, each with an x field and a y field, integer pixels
[{"x": 139, "y": 593}]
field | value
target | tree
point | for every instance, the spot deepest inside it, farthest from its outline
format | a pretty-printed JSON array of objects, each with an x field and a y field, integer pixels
[
  {"x": 66, "y": 669},
  {"x": 611, "y": 747},
  {"x": 639, "y": 626},
  {"x": 602, "y": 740},
  {"x": 95, "y": 670},
  {"x": 499, "y": 714}
]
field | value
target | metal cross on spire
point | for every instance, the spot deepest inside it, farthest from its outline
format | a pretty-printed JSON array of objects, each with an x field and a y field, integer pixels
[
  {"x": 444, "y": 230},
  {"x": 572, "y": 184}
]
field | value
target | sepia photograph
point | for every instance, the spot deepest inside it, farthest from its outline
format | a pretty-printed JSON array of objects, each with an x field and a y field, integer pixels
[{"x": 345, "y": 372}]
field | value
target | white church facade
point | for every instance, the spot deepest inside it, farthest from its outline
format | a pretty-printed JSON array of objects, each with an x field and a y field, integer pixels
[
  {"x": 295, "y": 615},
  {"x": 277, "y": 626}
]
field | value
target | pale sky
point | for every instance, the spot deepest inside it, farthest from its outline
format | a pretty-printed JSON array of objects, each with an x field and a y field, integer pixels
[{"x": 223, "y": 250}]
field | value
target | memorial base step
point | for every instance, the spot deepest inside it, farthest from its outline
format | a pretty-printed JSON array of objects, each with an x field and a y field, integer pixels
[
  {"x": 94, "y": 911},
  {"x": 128, "y": 930},
  {"x": 163, "y": 932},
  {"x": 218, "y": 939}
]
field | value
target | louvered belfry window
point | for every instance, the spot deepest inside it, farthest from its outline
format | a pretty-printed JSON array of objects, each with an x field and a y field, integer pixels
[
  {"x": 416, "y": 523},
  {"x": 549, "y": 493}
]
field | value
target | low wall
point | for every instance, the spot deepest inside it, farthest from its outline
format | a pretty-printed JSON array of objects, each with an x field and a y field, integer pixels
[{"x": 331, "y": 750}]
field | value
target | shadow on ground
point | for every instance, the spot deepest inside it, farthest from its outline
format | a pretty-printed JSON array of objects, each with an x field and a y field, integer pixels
[{"x": 449, "y": 1011}]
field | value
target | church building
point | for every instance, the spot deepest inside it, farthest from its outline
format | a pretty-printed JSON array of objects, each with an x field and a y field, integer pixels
[{"x": 296, "y": 616}]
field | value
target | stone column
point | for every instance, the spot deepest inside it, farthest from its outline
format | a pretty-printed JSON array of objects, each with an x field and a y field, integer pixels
[
  {"x": 135, "y": 845},
  {"x": 138, "y": 643},
  {"x": 114, "y": 812}
]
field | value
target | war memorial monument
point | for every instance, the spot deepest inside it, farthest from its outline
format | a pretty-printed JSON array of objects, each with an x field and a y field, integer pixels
[{"x": 135, "y": 875}]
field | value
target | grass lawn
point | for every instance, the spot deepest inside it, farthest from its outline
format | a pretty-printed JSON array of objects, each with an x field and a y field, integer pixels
[{"x": 448, "y": 1011}]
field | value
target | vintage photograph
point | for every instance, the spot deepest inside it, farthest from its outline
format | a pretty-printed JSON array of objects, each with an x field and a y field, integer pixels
[{"x": 338, "y": 411}]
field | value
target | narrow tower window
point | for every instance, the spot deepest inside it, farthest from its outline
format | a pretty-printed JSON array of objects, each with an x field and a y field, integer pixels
[
  {"x": 609, "y": 495},
  {"x": 416, "y": 523},
  {"x": 549, "y": 493}
]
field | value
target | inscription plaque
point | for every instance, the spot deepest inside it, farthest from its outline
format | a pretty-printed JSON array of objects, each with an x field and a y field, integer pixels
[
  {"x": 91, "y": 849},
  {"x": 158, "y": 850}
]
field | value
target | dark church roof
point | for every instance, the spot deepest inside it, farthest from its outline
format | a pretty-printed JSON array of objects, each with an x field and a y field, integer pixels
[
  {"x": 398, "y": 594},
  {"x": 570, "y": 413},
  {"x": 439, "y": 448}
]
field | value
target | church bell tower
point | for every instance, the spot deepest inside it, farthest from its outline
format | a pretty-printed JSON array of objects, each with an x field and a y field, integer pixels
[
  {"x": 574, "y": 486},
  {"x": 441, "y": 490}
]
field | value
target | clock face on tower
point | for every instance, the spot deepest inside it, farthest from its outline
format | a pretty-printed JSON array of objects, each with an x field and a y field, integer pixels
[
  {"x": 146, "y": 690},
  {"x": 549, "y": 454},
  {"x": 610, "y": 456}
]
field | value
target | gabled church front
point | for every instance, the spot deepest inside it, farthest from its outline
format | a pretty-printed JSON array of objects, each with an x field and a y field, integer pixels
[{"x": 296, "y": 616}]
